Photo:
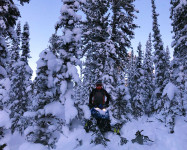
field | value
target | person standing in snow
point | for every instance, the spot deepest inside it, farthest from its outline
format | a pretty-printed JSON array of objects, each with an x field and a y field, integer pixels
[{"x": 98, "y": 96}]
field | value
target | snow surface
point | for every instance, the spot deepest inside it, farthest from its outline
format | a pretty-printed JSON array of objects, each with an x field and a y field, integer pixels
[
  {"x": 4, "y": 119},
  {"x": 29, "y": 146},
  {"x": 155, "y": 130}
]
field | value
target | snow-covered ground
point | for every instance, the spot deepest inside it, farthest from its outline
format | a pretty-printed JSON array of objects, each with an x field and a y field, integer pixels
[{"x": 80, "y": 140}]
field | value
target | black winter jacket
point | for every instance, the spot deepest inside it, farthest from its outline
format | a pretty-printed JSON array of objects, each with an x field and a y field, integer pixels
[{"x": 98, "y": 96}]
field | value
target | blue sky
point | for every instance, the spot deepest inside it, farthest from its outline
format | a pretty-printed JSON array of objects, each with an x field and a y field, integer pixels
[{"x": 43, "y": 14}]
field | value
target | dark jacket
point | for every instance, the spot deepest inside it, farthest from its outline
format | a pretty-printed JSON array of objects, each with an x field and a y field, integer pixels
[{"x": 99, "y": 96}]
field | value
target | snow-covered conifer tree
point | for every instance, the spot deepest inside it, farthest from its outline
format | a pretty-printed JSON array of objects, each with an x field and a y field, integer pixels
[
  {"x": 161, "y": 70},
  {"x": 47, "y": 111},
  {"x": 122, "y": 106},
  {"x": 68, "y": 52},
  {"x": 148, "y": 84},
  {"x": 122, "y": 27},
  {"x": 20, "y": 81},
  {"x": 100, "y": 50},
  {"x": 137, "y": 101},
  {"x": 95, "y": 35},
  {"x": 179, "y": 63}
]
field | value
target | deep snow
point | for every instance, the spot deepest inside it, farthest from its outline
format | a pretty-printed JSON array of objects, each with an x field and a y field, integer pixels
[{"x": 154, "y": 129}]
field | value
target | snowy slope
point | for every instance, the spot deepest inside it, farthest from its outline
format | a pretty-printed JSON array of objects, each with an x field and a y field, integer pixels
[{"x": 80, "y": 140}]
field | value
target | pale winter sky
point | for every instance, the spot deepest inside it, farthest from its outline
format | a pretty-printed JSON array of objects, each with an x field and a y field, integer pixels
[{"x": 43, "y": 14}]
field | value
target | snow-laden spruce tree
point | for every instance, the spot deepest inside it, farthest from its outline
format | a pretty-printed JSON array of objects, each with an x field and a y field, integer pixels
[
  {"x": 122, "y": 31},
  {"x": 174, "y": 92},
  {"x": 89, "y": 78},
  {"x": 122, "y": 106},
  {"x": 68, "y": 55},
  {"x": 14, "y": 48},
  {"x": 137, "y": 100},
  {"x": 179, "y": 63},
  {"x": 122, "y": 28},
  {"x": 147, "y": 82},
  {"x": 9, "y": 14},
  {"x": 47, "y": 112},
  {"x": 95, "y": 35},
  {"x": 97, "y": 46},
  {"x": 161, "y": 70},
  {"x": 100, "y": 49},
  {"x": 80, "y": 97},
  {"x": 20, "y": 81}
]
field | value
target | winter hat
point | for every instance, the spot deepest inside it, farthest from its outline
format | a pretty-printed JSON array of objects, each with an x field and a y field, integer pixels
[{"x": 99, "y": 82}]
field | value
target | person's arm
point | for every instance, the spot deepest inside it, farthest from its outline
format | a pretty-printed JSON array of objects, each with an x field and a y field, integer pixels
[
  {"x": 90, "y": 98},
  {"x": 108, "y": 98}
]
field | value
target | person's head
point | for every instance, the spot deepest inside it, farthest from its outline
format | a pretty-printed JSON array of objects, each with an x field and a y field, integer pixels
[{"x": 99, "y": 84}]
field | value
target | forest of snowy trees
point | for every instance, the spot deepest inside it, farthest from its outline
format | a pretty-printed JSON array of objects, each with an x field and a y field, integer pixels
[{"x": 140, "y": 84}]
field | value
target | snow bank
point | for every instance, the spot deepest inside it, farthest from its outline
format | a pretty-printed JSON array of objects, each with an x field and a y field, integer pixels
[
  {"x": 29, "y": 146},
  {"x": 4, "y": 119},
  {"x": 78, "y": 139},
  {"x": 158, "y": 133}
]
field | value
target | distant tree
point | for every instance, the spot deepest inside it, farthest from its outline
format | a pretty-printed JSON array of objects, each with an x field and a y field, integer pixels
[
  {"x": 20, "y": 81},
  {"x": 137, "y": 101},
  {"x": 148, "y": 84},
  {"x": 161, "y": 70}
]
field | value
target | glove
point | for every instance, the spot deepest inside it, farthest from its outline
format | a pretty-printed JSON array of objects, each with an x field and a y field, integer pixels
[{"x": 90, "y": 106}]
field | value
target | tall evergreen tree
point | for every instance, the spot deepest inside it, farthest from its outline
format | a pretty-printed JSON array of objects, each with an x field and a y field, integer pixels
[
  {"x": 122, "y": 27},
  {"x": 122, "y": 106},
  {"x": 95, "y": 34},
  {"x": 161, "y": 70},
  {"x": 46, "y": 107},
  {"x": 179, "y": 63},
  {"x": 148, "y": 84},
  {"x": 20, "y": 81},
  {"x": 9, "y": 14},
  {"x": 137, "y": 101},
  {"x": 68, "y": 52}
]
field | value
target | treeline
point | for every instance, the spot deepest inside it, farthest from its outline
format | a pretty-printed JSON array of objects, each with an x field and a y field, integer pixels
[{"x": 146, "y": 84}]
